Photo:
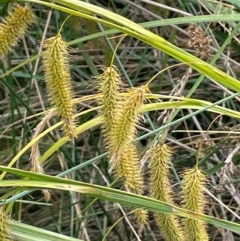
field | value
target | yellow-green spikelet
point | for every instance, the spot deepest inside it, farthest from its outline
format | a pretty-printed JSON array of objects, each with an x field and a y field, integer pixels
[
  {"x": 160, "y": 188},
  {"x": 128, "y": 169},
  {"x": 109, "y": 84},
  {"x": 58, "y": 79},
  {"x": 5, "y": 234},
  {"x": 14, "y": 26},
  {"x": 127, "y": 117},
  {"x": 194, "y": 200}
]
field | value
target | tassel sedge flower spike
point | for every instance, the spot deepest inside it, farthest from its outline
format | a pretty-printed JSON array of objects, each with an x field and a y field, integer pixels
[
  {"x": 109, "y": 84},
  {"x": 5, "y": 234},
  {"x": 128, "y": 169},
  {"x": 160, "y": 189},
  {"x": 194, "y": 200},
  {"x": 14, "y": 26},
  {"x": 58, "y": 79},
  {"x": 127, "y": 117}
]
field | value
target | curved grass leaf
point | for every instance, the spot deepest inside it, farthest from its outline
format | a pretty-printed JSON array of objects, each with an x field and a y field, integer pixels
[
  {"x": 132, "y": 200},
  {"x": 24, "y": 232},
  {"x": 88, "y": 11}
]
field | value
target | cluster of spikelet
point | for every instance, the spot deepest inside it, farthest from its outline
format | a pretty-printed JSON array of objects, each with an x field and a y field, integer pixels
[
  {"x": 160, "y": 189},
  {"x": 192, "y": 194},
  {"x": 12, "y": 29},
  {"x": 120, "y": 115},
  {"x": 58, "y": 79},
  {"x": 55, "y": 63},
  {"x": 194, "y": 200},
  {"x": 14, "y": 26},
  {"x": 119, "y": 119},
  {"x": 5, "y": 234}
]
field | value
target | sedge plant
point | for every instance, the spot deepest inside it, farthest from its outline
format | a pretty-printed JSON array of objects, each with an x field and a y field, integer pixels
[{"x": 120, "y": 114}]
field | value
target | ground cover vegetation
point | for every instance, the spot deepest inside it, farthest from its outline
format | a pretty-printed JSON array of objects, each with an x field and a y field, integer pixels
[{"x": 119, "y": 120}]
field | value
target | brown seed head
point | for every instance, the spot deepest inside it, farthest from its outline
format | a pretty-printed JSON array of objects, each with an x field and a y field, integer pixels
[{"x": 199, "y": 41}]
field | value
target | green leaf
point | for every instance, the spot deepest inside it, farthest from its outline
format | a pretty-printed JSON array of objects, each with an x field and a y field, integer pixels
[
  {"x": 48, "y": 182},
  {"x": 24, "y": 232}
]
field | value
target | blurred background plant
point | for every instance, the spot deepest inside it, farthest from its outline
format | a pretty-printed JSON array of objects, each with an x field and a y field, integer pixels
[{"x": 208, "y": 138}]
